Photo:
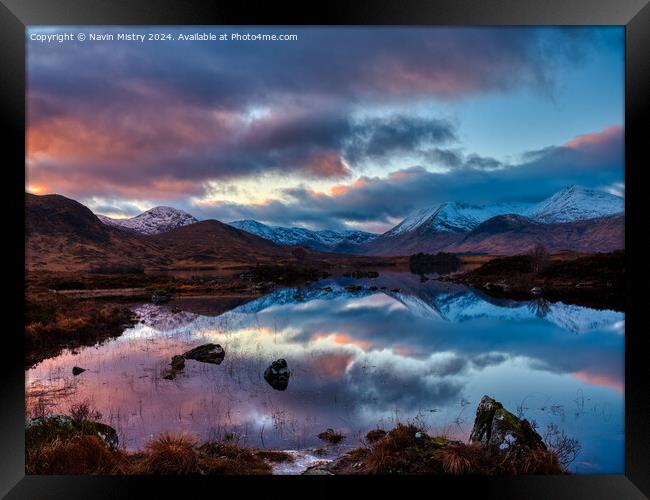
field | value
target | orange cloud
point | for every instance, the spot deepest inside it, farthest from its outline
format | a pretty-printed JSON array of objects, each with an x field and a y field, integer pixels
[
  {"x": 69, "y": 139},
  {"x": 404, "y": 351},
  {"x": 332, "y": 365},
  {"x": 327, "y": 165},
  {"x": 343, "y": 339},
  {"x": 41, "y": 181},
  {"x": 602, "y": 380},
  {"x": 347, "y": 340},
  {"x": 594, "y": 138},
  {"x": 342, "y": 189}
]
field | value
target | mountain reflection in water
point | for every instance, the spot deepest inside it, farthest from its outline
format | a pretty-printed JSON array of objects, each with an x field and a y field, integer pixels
[{"x": 359, "y": 360}]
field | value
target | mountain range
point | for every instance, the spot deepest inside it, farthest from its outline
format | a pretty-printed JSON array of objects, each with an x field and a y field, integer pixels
[
  {"x": 327, "y": 240},
  {"x": 62, "y": 233},
  {"x": 574, "y": 218}
]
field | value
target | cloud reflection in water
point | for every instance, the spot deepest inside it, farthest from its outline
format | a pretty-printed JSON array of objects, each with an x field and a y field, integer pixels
[{"x": 359, "y": 360}]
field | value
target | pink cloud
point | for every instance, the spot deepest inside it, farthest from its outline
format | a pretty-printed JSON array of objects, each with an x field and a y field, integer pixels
[
  {"x": 595, "y": 139},
  {"x": 598, "y": 379}
]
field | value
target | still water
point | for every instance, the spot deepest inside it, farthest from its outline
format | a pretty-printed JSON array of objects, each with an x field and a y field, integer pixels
[{"x": 412, "y": 352}]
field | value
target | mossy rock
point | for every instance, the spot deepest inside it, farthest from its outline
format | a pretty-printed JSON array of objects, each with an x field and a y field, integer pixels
[
  {"x": 47, "y": 429},
  {"x": 497, "y": 428}
]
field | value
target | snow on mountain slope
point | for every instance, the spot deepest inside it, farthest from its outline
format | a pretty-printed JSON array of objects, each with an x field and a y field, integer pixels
[
  {"x": 579, "y": 319},
  {"x": 577, "y": 203},
  {"x": 573, "y": 203},
  {"x": 452, "y": 216},
  {"x": 154, "y": 221},
  {"x": 319, "y": 240}
]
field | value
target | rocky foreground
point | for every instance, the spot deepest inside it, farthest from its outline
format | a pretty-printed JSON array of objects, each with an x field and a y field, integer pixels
[{"x": 500, "y": 443}]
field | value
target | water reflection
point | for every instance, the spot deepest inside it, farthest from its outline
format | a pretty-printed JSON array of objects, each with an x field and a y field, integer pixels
[{"x": 358, "y": 360}]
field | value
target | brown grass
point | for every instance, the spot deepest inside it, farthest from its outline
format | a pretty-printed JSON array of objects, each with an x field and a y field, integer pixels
[
  {"x": 459, "y": 458},
  {"x": 404, "y": 450},
  {"x": 73, "y": 447},
  {"x": 375, "y": 435},
  {"x": 540, "y": 462},
  {"x": 409, "y": 450},
  {"x": 54, "y": 322},
  {"x": 169, "y": 455},
  {"x": 232, "y": 459},
  {"x": 79, "y": 455}
]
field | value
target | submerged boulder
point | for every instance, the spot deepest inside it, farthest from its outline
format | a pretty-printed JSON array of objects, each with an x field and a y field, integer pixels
[
  {"x": 178, "y": 362},
  {"x": 207, "y": 353},
  {"x": 177, "y": 365},
  {"x": 498, "y": 429},
  {"x": 277, "y": 375}
]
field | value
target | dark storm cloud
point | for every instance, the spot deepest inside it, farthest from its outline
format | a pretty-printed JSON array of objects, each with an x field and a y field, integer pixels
[
  {"x": 594, "y": 160},
  {"x": 348, "y": 63},
  {"x": 112, "y": 117},
  {"x": 482, "y": 163},
  {"x": 381, "y": 138}
]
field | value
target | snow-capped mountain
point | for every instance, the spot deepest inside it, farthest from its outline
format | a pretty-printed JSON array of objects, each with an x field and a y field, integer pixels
[
  {"x": 571, "y": 204},
  {"x": 450, "y": 226},
  {"x": 155, "y": 221},
  {"x": 576, "y": 203},
  {"x": 453, "y": 216},
  {"x": 319, "y": 240}
]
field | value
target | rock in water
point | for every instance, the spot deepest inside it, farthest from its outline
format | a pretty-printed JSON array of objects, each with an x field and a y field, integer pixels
[
  {"x": 77, "y": 371},
  {"x": 331, "y": 436},
  {"x": 498, "y": 429},
  {"x": 207, "y": 353},
  {"x": 178, "y": 363},
  {"x": 277, "y": 375}
]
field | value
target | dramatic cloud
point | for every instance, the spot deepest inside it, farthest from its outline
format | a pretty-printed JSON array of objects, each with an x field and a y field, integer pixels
[
  {"x": 114, "y": 119},
  {"x": 596, "y": 162},
  {"x": 380, "y": 138}
]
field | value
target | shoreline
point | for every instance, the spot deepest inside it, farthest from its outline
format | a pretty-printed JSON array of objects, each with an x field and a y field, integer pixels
[
  {"x": 65, "y": 310},
  {"x": 500, "y": 443}
]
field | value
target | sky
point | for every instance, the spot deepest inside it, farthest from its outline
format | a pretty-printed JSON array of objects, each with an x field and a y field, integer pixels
[{"x": 340, "y": 128}]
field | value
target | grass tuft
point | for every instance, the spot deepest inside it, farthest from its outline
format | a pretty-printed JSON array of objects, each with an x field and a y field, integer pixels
[
  {"x": 79, "y": 455},
  {"x": 169, "y": 454},
  {"x": 459, "y": 458}
]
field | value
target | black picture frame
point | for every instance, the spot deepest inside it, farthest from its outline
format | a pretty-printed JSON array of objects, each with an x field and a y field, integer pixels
[{"x": 15, "y": 15}]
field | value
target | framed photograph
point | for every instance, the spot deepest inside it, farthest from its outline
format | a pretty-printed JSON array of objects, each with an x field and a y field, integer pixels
[{"x": 377, "y": 243}]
